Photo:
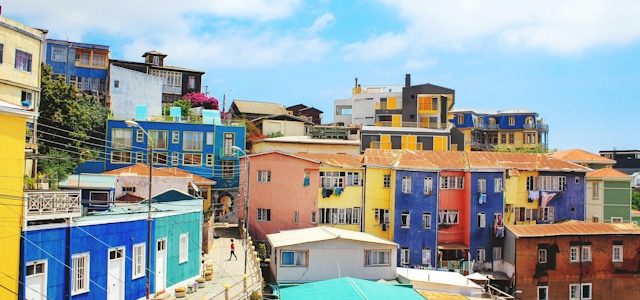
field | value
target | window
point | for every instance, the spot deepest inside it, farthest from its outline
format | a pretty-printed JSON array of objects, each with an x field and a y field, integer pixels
[
  {"x": 512, "y": 121},
  {"x": 512, "y": 139},
  {"x": 209, "y": 140},
  {"x": 209, "y": 160},
  {"x": 353, "y": 178},
  {"x": 586, "y": 253},
  {"x": 191, "y": 141},
  {"x": 451, "y": 182},
  {"x": 184, "y": 248},
  {"x": 23, "y": 61},
  {"x": 58, "y": 53},
  {"x": 175, "y": 137},
  {"x": 121, "y": 138},
  {"x": 116, "y": 84},
  {"x": 36, "y": 268},
  {"x": 264, "y": 214},
  {"x": 428, "y": 186},
  {"x": 426, "y": 220},
  {"x": 497, "y": 253},
  {"x": 577, "y": 179},
  {"x": 553, "y": 183},
  {"x": 406, "y": 185},
  {"x": 595, "y": 191},
  {"x": 529, "y": 138},
  {"x": 525, "y": 214},
  {"x": 228, "y": 168},
  {"x": 497, "y": 185},
  {"x": 82, "y": 57},
  {"x": 386, "y": 181},
  {"x": 546, "y": 213},
  {"x": 405, "y": 219},
  {"x": 480, "y": 255},
  {"x": 129, "y": 189},
  {"x": 617, "y": 219},
  {"x": 532, "y": 183},
  {"x": 160, "y": 158},
  {"x": 120, "y": 157},
  {"x": 355, "y": 218},
  {"x": 426, "y": 256},
  {"x": 296, "y": 217},
  {"x": 293, "y": 258},
  {"x": 580, "y": 291},
  {"x": 617, "y": 253},
  {"x": 482, "y": 185},
  {"x": 313, "y": 217},
  {"x": 1, "y": 53},
  {"x": 503, "y": 138},
  {"x": 542, "y": 256},
  {"x": 139, "y": 136},
  {"x": 191, "y": 159},
  {"x": 573, "y": 254},
  {"x": 460, "y": 119},
  {"x": 404, "y": 256},
  {"x": 543, "y": 292},
  {"x": 228, "y": 143},
  {"x": 448, "y": 217},
  {"x": 156, "y": 60},
  {"x": 159, "y": 138},
  {"x": 332, "y": 179},
  {"x": 138, "y": 263},
  {"x": 482, "y": 220},
  {"x": 79, "y": 273},
  {"x": 98, "y": 59},
  {"x": 264, "y": 176},
  {"x": 26, "y": 97},
  {"x": 192, "y": 82},
  {"x": 374, "y": 258},
  {"x": 175, "y": 158}
]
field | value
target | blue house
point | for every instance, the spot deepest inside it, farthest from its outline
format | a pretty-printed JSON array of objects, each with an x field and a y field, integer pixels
[
  {"x": 416, "y": 211},
  {"x": 567, "y": 199},
  {"x": 487, "y": 207},
  {"x": 83, "y": 65}
]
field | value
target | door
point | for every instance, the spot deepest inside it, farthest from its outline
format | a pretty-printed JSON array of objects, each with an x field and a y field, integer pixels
[
  {"x": 115, "y": 274},
  {"x": 36, "y": 282},
  {"x": 161, "y": 264}
]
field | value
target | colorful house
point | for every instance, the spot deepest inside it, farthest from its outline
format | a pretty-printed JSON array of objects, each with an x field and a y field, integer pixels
[
  {"x": 97, "y": 190},
  {"x": 379, "y": 192},
  {"x": 608, "y": 196},
  {"x": 283, "y": 192},
  {"x": 349, "y": 288},
  {"x": 505, "y": 128},
  {"x": 584, "y": 158},
  {"x": 12, "y": 158},
  {"x": 339, "y": 195},
  {"x": 102, "y": 256}
]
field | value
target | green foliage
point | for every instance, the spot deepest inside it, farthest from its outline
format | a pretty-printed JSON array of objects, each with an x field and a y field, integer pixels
[
  {"x": 55, "y": 169},
  {"x": 635, "y": 199},
  {"x": 185, "y": 106},
  {"x": 537, "y": 149},
  {"x": 275, "y": 134},
  {"x": 262, "y": 250}
]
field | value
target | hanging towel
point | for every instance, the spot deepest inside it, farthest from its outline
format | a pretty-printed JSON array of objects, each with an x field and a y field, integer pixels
[
  {"x": 546, "y": 198},
  {"x": 500, "y": 231},
  {"x": 337, "y": 191},
  {"x": 326, "y": 193},
  {"x": 534, "y": 196},
  {"x": 482, "y": 198}
]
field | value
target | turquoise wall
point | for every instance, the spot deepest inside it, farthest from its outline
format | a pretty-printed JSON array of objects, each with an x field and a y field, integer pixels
[{"x": 172, "y": 227}]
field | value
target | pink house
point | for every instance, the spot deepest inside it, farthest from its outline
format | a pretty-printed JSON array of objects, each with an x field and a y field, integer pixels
[{"x": 283, "y": 192}]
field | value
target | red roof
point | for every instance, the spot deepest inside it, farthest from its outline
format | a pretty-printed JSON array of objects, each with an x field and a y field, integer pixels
[
  {"x": 582, "y": 156},
  {"x": 572, "y": 228},
  {"x": 608, "y": 173},
  {"x": 142, "y": 170},
  {"x": 378, "y": 157},
  {"x": 337, "y": 160}
]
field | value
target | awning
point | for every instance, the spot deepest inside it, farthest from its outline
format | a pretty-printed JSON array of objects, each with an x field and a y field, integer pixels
[
  {"x": 453, "y": 246},
  {"x": 477, "y": 276}
]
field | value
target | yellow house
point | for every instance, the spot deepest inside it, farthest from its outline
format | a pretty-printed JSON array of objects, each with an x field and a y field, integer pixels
[
  {"x": 12, "y": 159},
  {"x": 379, "y": 192},
  {"x": 340, "y": 199}
]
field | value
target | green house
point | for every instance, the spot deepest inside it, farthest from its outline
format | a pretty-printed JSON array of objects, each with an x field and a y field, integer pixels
[{"x": 608, "y": 196}]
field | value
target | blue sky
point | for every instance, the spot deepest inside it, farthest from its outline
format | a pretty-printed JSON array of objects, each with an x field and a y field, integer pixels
[{"x": 577, "y": 63}]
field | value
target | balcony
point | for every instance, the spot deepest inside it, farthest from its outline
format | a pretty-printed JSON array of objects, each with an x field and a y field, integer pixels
[
  {"x": 412, "y": 124},
  {"x": 44, "y": 205},
  {"x": 542, "y": 126},
  {"x": 493, "y": 126},
  {"x": 170, "y": 89}
]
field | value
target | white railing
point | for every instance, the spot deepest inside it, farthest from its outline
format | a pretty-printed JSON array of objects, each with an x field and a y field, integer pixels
[
  {"x": 171, "y": 89},
  {"x": 42, "y": 205}
]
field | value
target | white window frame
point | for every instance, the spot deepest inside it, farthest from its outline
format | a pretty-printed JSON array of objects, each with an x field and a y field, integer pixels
[
  {"x": 121, "y": 153},
  {"x": 482, "y": 220},
  {"x": 296, "y": 254},
  {"x": 497, "y": 253},
  {"x": 595, "y": 190},
  {"x": 353, "y": 179},
  {"x": 542, "y": 256},
  {"x": 512, "y": 121},
  {"x": 139, "y": 136},
  {"x": 140, "y": 157},
  {"x": 192, "y": 163},
  {"x": 75, "y": 275},
  {"x": 451, "y": 182},
  {"x": 481, "y": 254},
  {"x": 406, "y": 185},
  {"x": 574, "y": 254},
  {"x": 175, "y": 158},
  {"x": 617, "y": 253},
  {"x": 482, "y": 185},
  {"x": 426, "y": 220},
  {"x": 578, "y": 289},
  {"x": 183, "y": 250},
  {"x": 426, "y": 256},
  {"x": 406, "y": 216},
  {"x": 195, "y": 141},
  {"x": 586, "y": 253},
  {"x": 175, "y": 137},
  {"x": 209, "y": 160},
  {"x": 547, "y": 213},
  {"x": 61, "y": 55},
  {"x": 209, "y": 138},
  {"x": 227, "y": 144},
  {"x": 428, "y": 186},
  {"x": 404, "y": 256},
  {"x": 445, "y": 215},
  {"x": 497, "y": 185},
  {"x": 543, "y": 287},
  {"x": 138, "y": 260},
  {"x": 91, "y": 193},
  {"x": 264, "y": 176},
  {"x": 264, "y": 214},
  {"x": 372, "y": 258}
]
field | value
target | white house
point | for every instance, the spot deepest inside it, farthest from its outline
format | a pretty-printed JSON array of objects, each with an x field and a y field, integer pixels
[
  {"x": 129, "y": 88},
  {"x": 440, "y": 281},
  {"x": 320, "y": 253}
]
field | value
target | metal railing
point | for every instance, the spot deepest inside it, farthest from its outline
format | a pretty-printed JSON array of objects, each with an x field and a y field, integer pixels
[
  {"x": 412, "y": 124},
  {"x": 171, "y": 89},
  {"x": 496, "y": 293},
  {"x": 42, "y": 205}
]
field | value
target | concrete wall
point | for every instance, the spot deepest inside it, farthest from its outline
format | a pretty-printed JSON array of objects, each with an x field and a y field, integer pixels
[
  {"x": 332, "y": 259},
  {"x": 265, "y": 146},
  {"x": 286, "y": 128},
  {"x": 342, "y": 118},
  {"x": 134, "y": 88}
]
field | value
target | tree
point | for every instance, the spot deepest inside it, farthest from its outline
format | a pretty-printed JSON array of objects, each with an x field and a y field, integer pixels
[
  {"x": 185, "y": 106},
  {"x": 56, "y": 167},
  {"x": 199, "y": 99},
  {"x": 635, "y": 199}
]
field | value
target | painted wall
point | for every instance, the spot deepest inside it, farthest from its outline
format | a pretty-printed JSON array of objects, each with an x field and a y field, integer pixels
[
  {"x": 12, "y": 143},
  {"x": 332, "y": 259},
  {"x": 617, "y": 200},
  {"x": 134, "y": 88},
  {"x": 54, "y": 241},
  {"x": 350, "y": 197},
  {"x": 485, "y": 237},
  {"x": 516, "y": 195},
  {"x": 283, "y": 195},
  {"x": 342, "y": 118},
  {"x": 594, "y": 205},
  {"x": 286, "y": 128},
  {"x": 171, "y": 227},
  {"x": 266, "y": 146},
  {"x": 14, "y": 35},
  {"x": 455, "y": 199},
  {"x": 160, "y": 184},
  {"x": 378, "y": 197},
  {"x": 569, "y": 205},
  {"x": 416, "y": 237}
]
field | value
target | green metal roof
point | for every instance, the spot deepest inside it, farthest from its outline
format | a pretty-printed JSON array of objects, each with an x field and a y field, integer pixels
[{"x": 347, "y": 288}]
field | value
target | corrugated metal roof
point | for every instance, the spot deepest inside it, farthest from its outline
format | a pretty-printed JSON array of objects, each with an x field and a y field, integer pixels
[
  {"x": 347, "y": 288},
  {"x": 262, "y": 108},
  {"x": 573, "y": 228},
  {"x": 304, "y": 139},
  {"x": 432, "y": 160},
  {"x": 321, "y": 233},
  {"x": 142, "y": 170},
  {"x": 581, "y": 156},
  {"x": 377, "y": 157},
  {"x": 608, "y": 173},
  {"x": 100, "y": 181},
  {"x": 441, "y": 296},
  {"x": 337, "y": 160}
]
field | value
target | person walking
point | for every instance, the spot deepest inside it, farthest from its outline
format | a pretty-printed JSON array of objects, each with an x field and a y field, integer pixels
[{"x": 233, "y": 250}]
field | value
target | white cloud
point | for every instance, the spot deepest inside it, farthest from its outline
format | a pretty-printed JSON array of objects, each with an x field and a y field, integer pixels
[
  {"x": 194, "y": 33},
  {"x": 558, "y": 27},
  {"x": 322, "y": 22}
]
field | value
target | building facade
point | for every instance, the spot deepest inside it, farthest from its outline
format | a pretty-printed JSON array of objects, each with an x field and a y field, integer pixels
[
  {"x": 249, "y": 110},
  {"x": 485, "y": 131},
  {"x": 608, "y": 196},
  {"x": 361, "y": 108},
  {"x": 83, "y": 65},
  {"x": 129, "y": 88},
  {"x": 627, "y": 161},
  {"x": 584, "y": 158}
]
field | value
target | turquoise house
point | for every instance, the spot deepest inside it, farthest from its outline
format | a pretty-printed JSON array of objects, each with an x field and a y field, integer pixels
[{"x": 347, "y": 288}]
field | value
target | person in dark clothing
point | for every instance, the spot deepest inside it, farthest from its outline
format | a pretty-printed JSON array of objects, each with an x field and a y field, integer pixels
[{"x": 233, "y": 250}]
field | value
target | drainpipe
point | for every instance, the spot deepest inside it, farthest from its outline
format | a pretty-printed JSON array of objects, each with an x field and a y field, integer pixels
[
  {"x": 437, "y": 215},
  {"x": 363, "y": 202}
]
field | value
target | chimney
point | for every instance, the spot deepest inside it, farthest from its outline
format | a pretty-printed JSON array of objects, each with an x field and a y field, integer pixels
[
  {"x": 407, "y": 80},
  {"x": 356, "y": 82}
]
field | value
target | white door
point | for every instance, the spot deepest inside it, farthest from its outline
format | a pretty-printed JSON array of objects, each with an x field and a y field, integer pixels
[
  {"x": 115, "y": 274},
  {"x": 36, "y": 281},
  {"x": 161, "y": 264}
]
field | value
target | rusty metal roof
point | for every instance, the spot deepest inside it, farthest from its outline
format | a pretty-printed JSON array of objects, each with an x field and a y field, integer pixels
[
  {"x": 342, "y": 160},
  {"x": 432, "y": 160},
  {"x": 142, "y": 170},
  {"x": 573, "y": 228},
  {"x": 378, "y": 157},
  {"x": 581, "y": 156},
  {"x": 608, "y": 173}
]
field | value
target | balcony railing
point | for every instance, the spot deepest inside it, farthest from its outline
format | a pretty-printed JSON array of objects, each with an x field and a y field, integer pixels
[
  {"x": 542, "y": 126},
  {"x": 42, "y": 205},
  {"x": 412, "y": 125},
  {"x": 170, "y": 89}
]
